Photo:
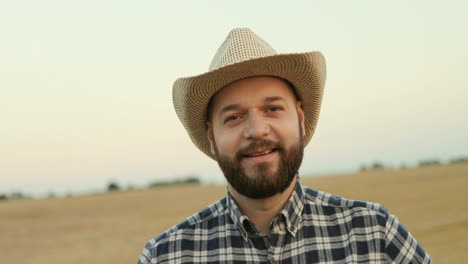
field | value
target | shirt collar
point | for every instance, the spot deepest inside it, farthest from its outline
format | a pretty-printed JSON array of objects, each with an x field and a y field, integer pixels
[
  {"x": 237, "y": 217},
  {"x": 291, "y": 212}
]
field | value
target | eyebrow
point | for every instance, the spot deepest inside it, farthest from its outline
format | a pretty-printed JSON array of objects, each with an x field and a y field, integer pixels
[
  {"x": 274, "y": 98},
  {"x": 237, "y": 106},
  {"x": 229, "y": 108}
]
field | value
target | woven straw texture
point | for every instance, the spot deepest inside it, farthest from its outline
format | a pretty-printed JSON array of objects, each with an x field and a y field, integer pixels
[{"x": 243, "y": 54}]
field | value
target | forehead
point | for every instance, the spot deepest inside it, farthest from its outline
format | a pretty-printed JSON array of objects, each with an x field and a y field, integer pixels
[{"x": 250, "y": 90}]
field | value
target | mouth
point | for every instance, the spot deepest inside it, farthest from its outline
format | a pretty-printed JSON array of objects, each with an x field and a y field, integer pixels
[
  {"x": 259, "y": 153},
  {"x": 260, "y": 156}
]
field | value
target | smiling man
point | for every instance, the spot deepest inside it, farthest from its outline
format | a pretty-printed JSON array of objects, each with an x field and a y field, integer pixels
[{"x": 254, "y": 111}]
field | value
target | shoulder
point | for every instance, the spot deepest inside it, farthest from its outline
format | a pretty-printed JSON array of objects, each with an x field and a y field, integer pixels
[
  {"x": 372, "y": 219},
  {"x": 336, "y": 206},
  {"x": 208, "y": 218},
  {"x": 203, "y": 217},
  {"x": 363, "y": 223}
]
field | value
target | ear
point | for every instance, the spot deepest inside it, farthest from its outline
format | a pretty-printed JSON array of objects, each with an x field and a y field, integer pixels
[
  {"x": 301, "y": 116},
  {"x": 210, "y": 136}
]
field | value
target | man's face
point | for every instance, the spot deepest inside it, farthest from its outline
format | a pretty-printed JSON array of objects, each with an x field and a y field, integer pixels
[{"x": 256, "y": 133}]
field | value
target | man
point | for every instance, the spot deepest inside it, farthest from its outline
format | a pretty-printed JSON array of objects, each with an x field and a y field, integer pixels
[{"x": 254, "y": 112}]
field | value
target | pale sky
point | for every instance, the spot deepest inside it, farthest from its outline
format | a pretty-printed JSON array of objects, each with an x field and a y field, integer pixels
[{"x": 85, "y": 86}]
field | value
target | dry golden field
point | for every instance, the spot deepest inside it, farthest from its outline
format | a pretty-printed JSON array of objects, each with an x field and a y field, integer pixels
[{"x": 432, "y": 202}]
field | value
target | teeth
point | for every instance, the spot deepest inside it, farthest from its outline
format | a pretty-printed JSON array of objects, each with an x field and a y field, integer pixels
[{"x": 260, "y": 154}]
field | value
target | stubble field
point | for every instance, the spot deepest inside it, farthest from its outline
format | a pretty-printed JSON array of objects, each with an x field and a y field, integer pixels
[{"x": 432, "y": 202}]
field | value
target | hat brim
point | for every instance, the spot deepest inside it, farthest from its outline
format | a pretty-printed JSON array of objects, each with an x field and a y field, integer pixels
[{"x": 306, "y": 71}]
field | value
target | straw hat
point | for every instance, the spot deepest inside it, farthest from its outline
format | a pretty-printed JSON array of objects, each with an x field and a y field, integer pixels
[{"x": 243, "y": 54}]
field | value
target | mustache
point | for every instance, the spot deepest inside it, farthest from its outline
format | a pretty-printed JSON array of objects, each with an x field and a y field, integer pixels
[{"x": 264, "y": 143}]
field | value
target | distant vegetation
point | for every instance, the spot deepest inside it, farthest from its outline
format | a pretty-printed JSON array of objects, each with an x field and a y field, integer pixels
[
  {"x": 458, "y": 160},
  {"x": 422, "y": 163},
  {"x": 373, "y": 166},
  {"x": 429, "y": 162},
  {"x": 113, "y": 186},
  {"x": 16, "y": 195},
  {"x": 187, "y": 180},
  {"x": 193, "y": 179}
]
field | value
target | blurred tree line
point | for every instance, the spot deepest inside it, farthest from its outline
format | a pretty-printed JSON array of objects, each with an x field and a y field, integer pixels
[
  {"x": 375, "y": 165},
  {"x": 16, "y": 195},
  {"x": 194, "y": 179}
]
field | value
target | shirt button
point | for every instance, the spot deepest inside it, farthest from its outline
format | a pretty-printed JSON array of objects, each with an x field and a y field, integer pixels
[
  {"x": 293, "y": 228},
  {"x": 272, "y": 260}
]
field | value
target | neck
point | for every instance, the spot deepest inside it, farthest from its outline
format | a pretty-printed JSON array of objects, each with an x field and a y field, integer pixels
[{"x": 262, "y": 211}]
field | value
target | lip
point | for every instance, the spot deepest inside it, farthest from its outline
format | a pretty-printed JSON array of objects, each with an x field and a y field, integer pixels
[{"x": 260, "y": 159}]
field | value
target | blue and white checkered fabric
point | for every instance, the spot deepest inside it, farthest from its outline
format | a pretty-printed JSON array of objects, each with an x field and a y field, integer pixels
[{"x": 313, "y": 227}]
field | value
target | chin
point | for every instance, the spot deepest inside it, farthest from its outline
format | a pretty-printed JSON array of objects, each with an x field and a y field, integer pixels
[{"x": 264, "y": 169}]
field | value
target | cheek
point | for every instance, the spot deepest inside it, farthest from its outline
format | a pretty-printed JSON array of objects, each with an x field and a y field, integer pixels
[
  {"x": 288, "y": 131},
  {"x": 227, "y": 141}
]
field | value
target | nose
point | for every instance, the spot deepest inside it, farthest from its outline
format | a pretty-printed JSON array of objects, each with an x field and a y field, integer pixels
[{"x": 256, "y": 126}]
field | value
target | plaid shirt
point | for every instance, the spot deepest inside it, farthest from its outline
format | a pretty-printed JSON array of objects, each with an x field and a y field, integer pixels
[{"x": 313, "y": 227}]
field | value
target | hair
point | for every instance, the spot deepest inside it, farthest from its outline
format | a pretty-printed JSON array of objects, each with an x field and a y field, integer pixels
[{"x": 288, "y": 83}]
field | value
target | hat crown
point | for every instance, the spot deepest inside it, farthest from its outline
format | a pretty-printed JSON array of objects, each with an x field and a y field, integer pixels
[{"x": 240, "y": 45}]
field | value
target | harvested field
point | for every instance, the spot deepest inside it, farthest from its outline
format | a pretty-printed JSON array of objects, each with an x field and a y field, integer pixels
[{"x": 432, "y": 202}]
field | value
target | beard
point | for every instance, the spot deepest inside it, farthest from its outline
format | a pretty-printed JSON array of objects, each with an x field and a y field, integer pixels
[{"x": 264, "y": 183}]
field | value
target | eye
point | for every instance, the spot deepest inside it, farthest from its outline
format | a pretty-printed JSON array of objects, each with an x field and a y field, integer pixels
[
  {"x": 274, "y": 108},
  {"x": 231, "y": 118}
]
